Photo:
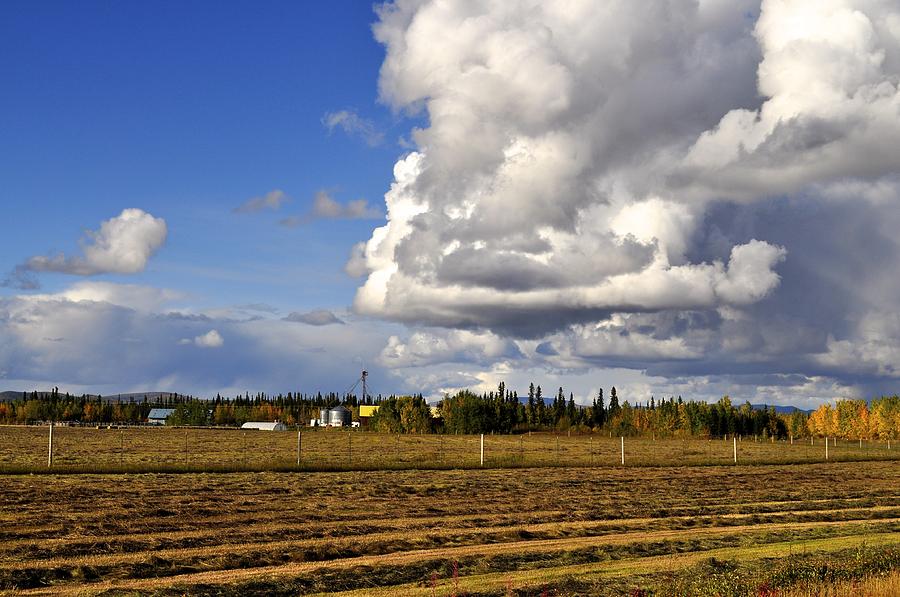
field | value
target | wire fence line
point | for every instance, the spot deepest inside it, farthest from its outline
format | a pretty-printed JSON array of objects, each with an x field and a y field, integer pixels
[{"x": 138, "y": 449}]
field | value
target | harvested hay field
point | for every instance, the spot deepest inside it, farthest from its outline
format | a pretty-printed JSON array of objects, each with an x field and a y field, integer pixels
[
  {"x": 146, "y": 449},
  {"x": 711, "y": 530}
]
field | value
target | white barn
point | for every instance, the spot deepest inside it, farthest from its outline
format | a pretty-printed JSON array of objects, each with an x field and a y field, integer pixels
[{"x": 265, "y": 425}]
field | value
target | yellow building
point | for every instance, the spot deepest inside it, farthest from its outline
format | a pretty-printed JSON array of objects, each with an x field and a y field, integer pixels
[{"x": 367, "y": 410}]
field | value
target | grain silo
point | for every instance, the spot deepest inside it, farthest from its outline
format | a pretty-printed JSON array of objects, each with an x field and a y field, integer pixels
[
  {"x": 339, "y": 417},
  {"x": 323, "y": 417}
]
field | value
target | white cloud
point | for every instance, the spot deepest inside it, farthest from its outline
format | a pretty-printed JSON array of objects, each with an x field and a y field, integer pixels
[
  {"x": 532, "y": 201},
  {"x": 829, "y": 74},
  {"x": 693, "y": 190},
  {"x": 123, "y": 245},
  {"x": 353, "y": 124},
  {"x": 437, "y": 346},
  {"x": 273, "y": 200},
  {"x": 211, "y": 339},
  {"x": 143, "y": 298}
]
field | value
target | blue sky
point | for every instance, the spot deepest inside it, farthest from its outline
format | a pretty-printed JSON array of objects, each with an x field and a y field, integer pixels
[
  {"x": 188, "y": 110},
  {"x": 672, "y": 197}
]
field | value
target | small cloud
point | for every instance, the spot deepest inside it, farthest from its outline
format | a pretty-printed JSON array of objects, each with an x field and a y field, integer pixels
[
  {"x": 326, "y": 208},
  {"x": 211, "y": 339},
  {"x": 273, "y": 200},
  {"x": 315, "y": 317},
  {"x": 354, "y": 125},
  {"x": 123, "y": 245}
]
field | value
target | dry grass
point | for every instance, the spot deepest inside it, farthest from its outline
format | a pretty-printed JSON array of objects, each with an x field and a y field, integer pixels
[
  {"x": 24, "y": 449},
  {"x": 874, "y": 586}
]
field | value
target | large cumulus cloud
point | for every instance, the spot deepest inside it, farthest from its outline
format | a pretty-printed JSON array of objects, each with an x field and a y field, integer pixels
[
  {"x": 518, "y": 211},
  {"x": 674, "y": 186}
]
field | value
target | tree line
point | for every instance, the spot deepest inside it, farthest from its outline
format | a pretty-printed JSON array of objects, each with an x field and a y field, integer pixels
[
  {"x": 503, "y": 411},
  {"x": 466, "y": 412}
]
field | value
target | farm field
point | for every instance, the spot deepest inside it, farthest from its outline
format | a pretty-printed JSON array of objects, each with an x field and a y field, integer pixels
[
  {"x": 137, "y": 449},
  {"x": 728, "y": 530}
]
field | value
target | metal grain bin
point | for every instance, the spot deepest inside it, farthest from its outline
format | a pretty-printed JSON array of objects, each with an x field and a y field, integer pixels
[{"x": 339, "y": 417}]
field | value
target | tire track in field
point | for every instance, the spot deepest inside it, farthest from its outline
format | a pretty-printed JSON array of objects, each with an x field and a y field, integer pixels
[
  {"x": 262, "y": 519},
  {"x": 410, "y": 556},
  {"x": 499, "y": 581},
  {"x": 414, "y": 528}
]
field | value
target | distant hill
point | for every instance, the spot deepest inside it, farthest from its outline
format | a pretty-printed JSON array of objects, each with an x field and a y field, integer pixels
[
  {"x": 784, "y": 410},
  {"x": 136, "y": 396}
]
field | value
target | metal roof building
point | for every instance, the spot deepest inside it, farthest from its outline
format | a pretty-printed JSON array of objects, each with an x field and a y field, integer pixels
[
  {"x": 265, "y": 425},
  {"x": 158, "y": 416}
]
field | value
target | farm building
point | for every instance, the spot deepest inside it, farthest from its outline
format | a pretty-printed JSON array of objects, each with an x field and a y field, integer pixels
[
  {"x": 367, "y": 410},
  {"x": 158, "y": 416},
  {"x": 338, "y": 416},
  {"x": 265, "y": 425}
]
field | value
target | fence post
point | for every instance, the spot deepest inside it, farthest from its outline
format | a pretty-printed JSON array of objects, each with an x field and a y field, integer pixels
[
  {"x": 591, "y": 449},
  {"x": 299, "y": 447},
  {"x": 350, "y": 448},
  {"x": 623, "y": 450},
  {"x": 482, "y": 449},
  {"x": 50, "y": 449},
  {"x": 826, "y": 447},
  {"x": 735, "y": 449}
]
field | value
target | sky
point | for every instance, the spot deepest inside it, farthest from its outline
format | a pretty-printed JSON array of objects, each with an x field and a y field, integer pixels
[{"x": 675, "y": 197}]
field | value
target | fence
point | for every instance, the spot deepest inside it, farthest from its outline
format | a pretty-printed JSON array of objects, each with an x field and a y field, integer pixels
[{"x": 78, "y": 448}]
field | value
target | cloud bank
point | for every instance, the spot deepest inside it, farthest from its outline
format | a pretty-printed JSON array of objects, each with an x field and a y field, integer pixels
[
  {"x": 697, "y": 190},
  {"x": 106, "y": 337}
]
